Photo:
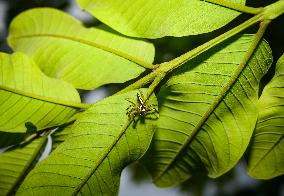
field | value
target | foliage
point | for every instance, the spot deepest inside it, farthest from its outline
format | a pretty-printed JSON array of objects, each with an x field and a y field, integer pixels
[
  {"x": 266, "y": 158},
  {"x": 102, "y": 142},
  {"x": 54, "y": 39},
  {"x": 193, "y": 132},
  {"x": 27, "y": 95},
  {"x": 153, "y": 20},
  {"x": 211, "y": 108}
]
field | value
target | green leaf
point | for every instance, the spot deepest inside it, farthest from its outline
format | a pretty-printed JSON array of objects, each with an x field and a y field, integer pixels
[
  {"x": 84, "y": 57},
  {"x": 91, "y": 159},
  {"x": 15, "y": 164},
  {"x": 154, "y": 19},
  {"x": 27, "y": 95},
  {"x": 60, "y": 135},
  {"x": 266, "y": 158},
  {"x": 201, "y": 126}
]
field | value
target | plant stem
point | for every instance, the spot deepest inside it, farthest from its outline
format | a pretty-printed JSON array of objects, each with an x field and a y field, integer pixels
[
  {"x": 38, "y": 133},
  {"x": 237, "y": 7},
  {"x": 29, "y": 139},
  {"x": 268, "y": 13},
  {"x": 166, "y": 67},
  {"x": 274, "y": 10},
  {"x": 223, "y": 93},
  {"x": 173, "y": 64},
  {"x": 154, "y": 84},
  {"x": 138, "y": 84}
]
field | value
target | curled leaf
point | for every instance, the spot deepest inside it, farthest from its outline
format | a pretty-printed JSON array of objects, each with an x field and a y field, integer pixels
[{"x": 266, "y": 159}]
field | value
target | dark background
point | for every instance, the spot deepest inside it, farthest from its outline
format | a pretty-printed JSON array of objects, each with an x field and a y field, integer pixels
[{"x": 235, "y": 182}]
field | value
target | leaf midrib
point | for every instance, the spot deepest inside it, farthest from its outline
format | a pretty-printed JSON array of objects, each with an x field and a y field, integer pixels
[
  {"x": 102, "y": 158},
  {"x": 43, "y": 98},
  {"x": 215, "y": 104},
  {"x": 90, "y": 43}
]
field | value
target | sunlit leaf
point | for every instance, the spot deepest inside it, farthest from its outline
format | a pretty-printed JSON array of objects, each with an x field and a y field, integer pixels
[
  {"x": 84, "y": 57},
  {"x": 27, "y": 95},
  {"x": 154, "y": 19},
  {"x": 14, "y": 164},
  {"x": 266, "y": 158},
  {"x": 91, "y": 159},
  {"x": 186, "y": 141},
  {"x": 60, "y": 135}
]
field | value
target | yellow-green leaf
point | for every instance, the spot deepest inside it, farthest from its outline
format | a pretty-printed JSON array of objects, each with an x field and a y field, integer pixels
[
  {"x": 154, "y": 19},
  {"x": 27, "y": 95},
  {"x": 201, "y": 126},
  {"x": 84, "y": 57},
  {"x": 91, "y": 159},
  {"x": 266, "y": 159},
  {"x": 15, "y": 164}
]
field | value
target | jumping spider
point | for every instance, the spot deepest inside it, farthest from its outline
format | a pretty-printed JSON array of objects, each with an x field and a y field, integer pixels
[{"x": 140, "y": 109}]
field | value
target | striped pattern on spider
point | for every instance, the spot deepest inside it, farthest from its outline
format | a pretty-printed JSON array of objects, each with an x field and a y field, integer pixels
[{"x": 140, "y": 109}]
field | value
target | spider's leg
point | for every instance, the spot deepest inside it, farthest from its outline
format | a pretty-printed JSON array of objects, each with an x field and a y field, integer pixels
[
  {"x": 135, "y": 122},
  {"x": 128, "y": 113},
  {"x": 153, "y": 107},
  {"x": 155, "y": 114},
  {"x": 153, "y": 110},
  {"x": 131, "y": 112},
  {"x": 150, "y": 117},
  {"x": 134, "y": 119},
  {"x": 129, "y": 108},
  {"x": 130, "y": 101}
]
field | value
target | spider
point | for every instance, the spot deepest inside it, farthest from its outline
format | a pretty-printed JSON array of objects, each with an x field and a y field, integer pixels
[{"x": 140, "y": 109}]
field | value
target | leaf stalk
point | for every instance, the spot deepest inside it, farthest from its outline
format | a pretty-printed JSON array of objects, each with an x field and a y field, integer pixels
[{"x": 266, "y": 14}]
